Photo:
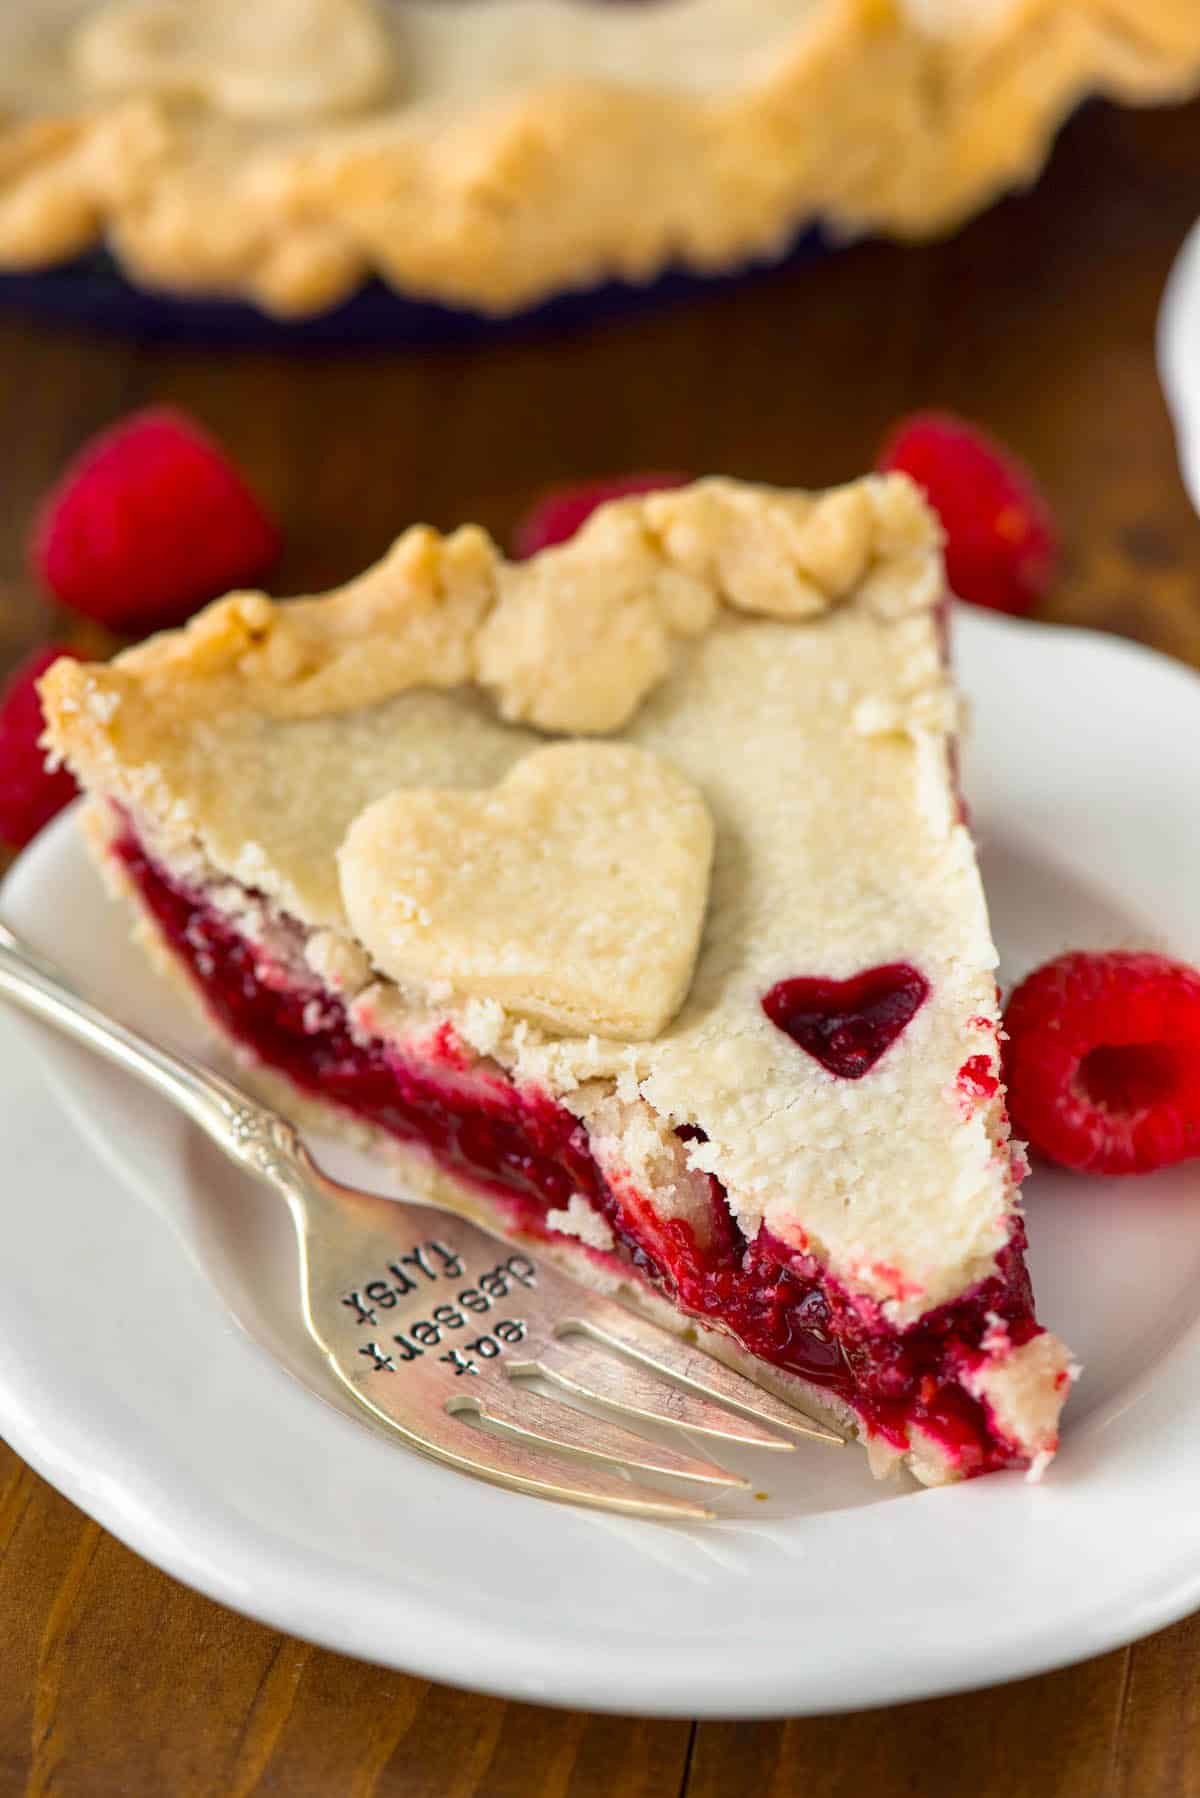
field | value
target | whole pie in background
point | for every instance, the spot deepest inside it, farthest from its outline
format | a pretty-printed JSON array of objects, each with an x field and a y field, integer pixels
[{"x": 491, "y": 153}]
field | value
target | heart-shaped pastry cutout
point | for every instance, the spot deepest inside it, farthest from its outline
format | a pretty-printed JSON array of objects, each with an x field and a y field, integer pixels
[
  {"x": 254, "y": 59},
  {"x": 573, "y": 892},
  {"x": 847, "y": 1025}
]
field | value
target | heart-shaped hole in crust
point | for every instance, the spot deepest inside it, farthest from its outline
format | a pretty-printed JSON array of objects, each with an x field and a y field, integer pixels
[
  {"x": 573, "y": 892},
  {"x": 847, "y": 1025},
  {"x": 254, "y": 59}
]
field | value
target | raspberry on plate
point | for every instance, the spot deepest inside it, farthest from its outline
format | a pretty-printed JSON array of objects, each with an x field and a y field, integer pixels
[
  {"x": 1001, "y": 541},
  {"x": 150, "y": 520},
  {"x": 1103, "y": 1061},
  {"x": 30, "y": 793},
  {"x": 560, "y": 512}
]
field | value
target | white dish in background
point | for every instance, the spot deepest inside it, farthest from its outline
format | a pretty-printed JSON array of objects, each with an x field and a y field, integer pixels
[
  {"x": 1179, "y": 357},
  {"x": 132, "y": 1255}
]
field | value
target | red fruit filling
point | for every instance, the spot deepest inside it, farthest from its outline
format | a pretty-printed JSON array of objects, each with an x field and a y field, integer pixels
[
  {"x": 531, "y": 1155},
  {"x": 847, "y": 1025},
  {"x": 976, "y": 1079}
]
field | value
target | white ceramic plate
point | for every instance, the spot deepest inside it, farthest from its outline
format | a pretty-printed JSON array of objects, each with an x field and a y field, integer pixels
[
  {"x": 1179, "y": 357},
  {"x": 151, "y": 1368}
]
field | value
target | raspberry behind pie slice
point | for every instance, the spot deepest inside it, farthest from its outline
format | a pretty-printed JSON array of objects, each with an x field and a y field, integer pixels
[{"x": 624, "y": 891}]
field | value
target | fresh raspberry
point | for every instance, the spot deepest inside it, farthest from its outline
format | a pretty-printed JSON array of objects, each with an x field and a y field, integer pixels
[
  {"x": 29, "y": 794},
  {"x": 1103, "y": 1061},
  {"x": 1001, "y": 541},
  {"x": 150, "y": 520},
  {"x": 559, "y": 513}
]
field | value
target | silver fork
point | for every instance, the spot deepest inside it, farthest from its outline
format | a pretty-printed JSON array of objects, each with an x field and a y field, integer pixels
[{"x": 435, "y": 1324}]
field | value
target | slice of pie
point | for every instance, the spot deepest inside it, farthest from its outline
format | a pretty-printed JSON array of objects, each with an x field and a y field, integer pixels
[
  {"x": 489, "y": 153},
  {"x": 625, "y": 892}
]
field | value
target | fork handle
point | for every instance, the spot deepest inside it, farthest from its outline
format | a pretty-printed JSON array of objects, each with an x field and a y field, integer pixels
[{"x": 252, "y": 1135}]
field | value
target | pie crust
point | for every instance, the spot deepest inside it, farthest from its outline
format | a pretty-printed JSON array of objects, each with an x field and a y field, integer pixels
[
  {"x": 491, "y": 153},
  {"x": 759, "y": 725}
]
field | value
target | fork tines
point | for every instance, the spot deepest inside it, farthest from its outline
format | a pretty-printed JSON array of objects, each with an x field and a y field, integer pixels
[{"x": 463, "y": 1325}]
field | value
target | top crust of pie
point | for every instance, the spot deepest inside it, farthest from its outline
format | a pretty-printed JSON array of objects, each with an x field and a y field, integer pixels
[
  {"x": 286, "y": 150},
  {"x": 776, "y": 656},
  {"x": 572, "y": 892}
]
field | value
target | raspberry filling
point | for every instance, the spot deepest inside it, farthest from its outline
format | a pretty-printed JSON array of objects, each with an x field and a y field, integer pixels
[
  {"x": 847, "y": 1025},
  {"x": 532, "y": 1155}
]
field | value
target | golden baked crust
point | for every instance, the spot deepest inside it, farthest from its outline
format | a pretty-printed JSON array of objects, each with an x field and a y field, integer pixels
[
  {"x": 594, "y": 933},
  {"x": 288, "y": 178},
  {"x": 572, "y": 640}
]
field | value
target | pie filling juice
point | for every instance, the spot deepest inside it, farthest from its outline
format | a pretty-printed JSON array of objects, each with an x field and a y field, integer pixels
[{"x": 532, "y": 1155}]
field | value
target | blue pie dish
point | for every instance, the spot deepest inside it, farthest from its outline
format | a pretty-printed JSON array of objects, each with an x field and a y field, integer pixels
[{"x": 92, "y": 291}]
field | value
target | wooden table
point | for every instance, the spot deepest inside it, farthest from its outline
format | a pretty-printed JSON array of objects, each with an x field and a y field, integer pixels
[{"x": 1039, "y": 320}]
